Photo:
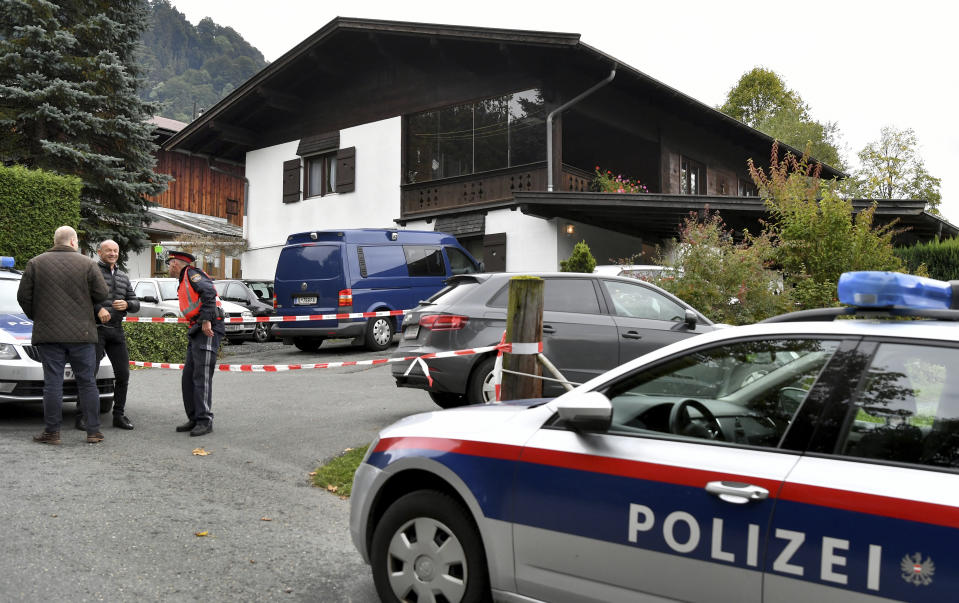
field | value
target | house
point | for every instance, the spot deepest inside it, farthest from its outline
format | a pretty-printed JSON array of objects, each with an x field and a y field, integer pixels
[
  {"x": 492, "y": 135},
  {"x": 201, "y": 210}
]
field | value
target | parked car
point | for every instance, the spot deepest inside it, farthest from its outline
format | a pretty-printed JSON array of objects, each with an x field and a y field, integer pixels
[
  {"x": 365, "y": 270},
  {"x": 158, "y": 297},
  {"x": 21, "y": 372},
  {"x": 241, "y": 293},
  {"x": 801, "y": 459},
  {"x": 591, "y": 323}
]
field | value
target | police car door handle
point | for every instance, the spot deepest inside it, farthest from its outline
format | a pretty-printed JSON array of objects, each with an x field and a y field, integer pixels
[{"x": 737, "y": 492}]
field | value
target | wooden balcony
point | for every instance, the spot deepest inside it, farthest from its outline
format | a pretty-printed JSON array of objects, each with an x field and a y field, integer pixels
[{"x": 428, "y": 198}]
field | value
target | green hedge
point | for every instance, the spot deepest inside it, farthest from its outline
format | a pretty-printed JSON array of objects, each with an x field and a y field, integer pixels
[
  {"x": 940, "y": 257},
  {"x": 156, "y": 342},
  {"x": 33, "y": 204}
]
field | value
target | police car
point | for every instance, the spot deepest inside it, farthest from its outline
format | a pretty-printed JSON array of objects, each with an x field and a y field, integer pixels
[
  {"x": 806, "y": 458},
  {"x": 21, "y": 372}
]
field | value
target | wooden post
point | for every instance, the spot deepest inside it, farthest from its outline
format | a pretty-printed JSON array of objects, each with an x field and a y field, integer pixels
[{"x": 524, "y": 324}]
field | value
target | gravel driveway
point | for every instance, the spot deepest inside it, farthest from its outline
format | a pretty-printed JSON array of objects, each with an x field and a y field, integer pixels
[{"x": 117, "y": 521}]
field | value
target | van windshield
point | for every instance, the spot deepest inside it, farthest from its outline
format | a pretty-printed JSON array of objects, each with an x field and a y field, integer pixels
[{"x": 309, "y": 262}]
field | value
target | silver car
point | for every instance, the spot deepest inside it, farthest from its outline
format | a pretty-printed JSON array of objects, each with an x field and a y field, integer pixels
[
  {"x": 158, "y": 297},
  {"x": 591, "y": 323},
  {"x": 21, "y": 372}
]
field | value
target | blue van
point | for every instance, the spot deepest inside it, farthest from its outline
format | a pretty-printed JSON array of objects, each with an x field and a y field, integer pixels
[{"x": 362, "y": 270}]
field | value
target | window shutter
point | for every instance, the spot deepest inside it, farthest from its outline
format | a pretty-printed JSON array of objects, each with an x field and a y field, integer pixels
[
  {"x": 291, "y": 181},
  {"x": 346, "y": 170},
  {"x": 319, "y": 143}
]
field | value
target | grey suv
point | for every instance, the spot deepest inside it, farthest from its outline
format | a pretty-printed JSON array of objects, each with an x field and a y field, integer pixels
[{"x": 591, "y": 323}]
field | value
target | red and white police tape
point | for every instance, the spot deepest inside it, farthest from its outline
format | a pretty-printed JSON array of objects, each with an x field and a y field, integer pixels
[
  {"x": 508, "y": 348},
  {"x": 236, "y": 319}
]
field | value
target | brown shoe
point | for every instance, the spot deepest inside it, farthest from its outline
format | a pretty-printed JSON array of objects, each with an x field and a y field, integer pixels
[
  {"x": 94, "y": 438},
  {"x": 48, "y": 437}
]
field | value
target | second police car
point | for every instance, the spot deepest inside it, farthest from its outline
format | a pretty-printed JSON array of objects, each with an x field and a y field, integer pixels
[{"x": 800, "y": 459}]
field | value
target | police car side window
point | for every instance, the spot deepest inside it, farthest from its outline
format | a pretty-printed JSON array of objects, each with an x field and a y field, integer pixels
[
  {"x": 908, "y": 410},
  {"x": 744, "y": 393}
]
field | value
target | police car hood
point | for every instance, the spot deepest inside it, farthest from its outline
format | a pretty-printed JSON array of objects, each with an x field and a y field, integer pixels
[
  {"x": 15, "y": 328},
  {"x": 483, "y": 421}
]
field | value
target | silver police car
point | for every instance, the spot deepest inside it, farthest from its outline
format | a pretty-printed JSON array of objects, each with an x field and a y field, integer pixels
[
  {"x": 21, "y": 373},
  {"x": 806, "y": 458}
]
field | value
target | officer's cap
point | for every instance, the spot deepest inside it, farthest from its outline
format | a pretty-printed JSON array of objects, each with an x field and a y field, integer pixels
[{"x": 180, "y": 255}]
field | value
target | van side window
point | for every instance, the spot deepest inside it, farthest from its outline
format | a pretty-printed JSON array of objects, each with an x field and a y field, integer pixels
[
  {"x": 381, "y": 261},
  {"x": 459, "y": 262},
  {"x": 424, "y": 261}
]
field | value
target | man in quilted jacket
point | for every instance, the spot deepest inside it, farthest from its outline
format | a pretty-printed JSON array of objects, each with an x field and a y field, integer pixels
[{"x": 57, "y": 292}]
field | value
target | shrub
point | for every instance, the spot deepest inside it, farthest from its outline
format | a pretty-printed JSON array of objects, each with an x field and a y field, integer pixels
[
  {"x": 33, "y": 204},
  {"x": 156, "y": 342},
  {"x": 725, "y": 280},
  {"x": 941, "y": 258},
  {"x": 580, "y": 260}
]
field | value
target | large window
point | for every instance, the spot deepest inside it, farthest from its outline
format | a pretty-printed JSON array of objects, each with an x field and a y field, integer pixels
[{"x": 491, "y": 134}]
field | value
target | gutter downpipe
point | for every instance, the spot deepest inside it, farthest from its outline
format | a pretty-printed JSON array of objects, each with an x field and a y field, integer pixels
[{"x": 560, "y": 109}]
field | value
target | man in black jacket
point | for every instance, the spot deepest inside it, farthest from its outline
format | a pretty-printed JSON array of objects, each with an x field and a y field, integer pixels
[
  {"x": 57, "y": 292},
  {"x": 112, "y": 338}
]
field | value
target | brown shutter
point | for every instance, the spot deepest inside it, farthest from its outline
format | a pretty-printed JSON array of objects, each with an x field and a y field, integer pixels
[
  {"x": 291, "y": 181},
  {"x": 346, "y": 170}
]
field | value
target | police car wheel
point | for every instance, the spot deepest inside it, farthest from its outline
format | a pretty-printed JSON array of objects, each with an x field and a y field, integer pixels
[
  {"x": 379, "y": 333},
  {"x": 679, "y": 420},
  {"x": 481, "y": 389},
  {"x": 427, "y": 545}
]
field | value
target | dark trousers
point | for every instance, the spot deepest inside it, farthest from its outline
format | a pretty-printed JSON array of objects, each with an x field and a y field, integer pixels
[
  {"x": 113, "y": 343},
  {"x": 197, "y": 380},
  {"x": 82, "y": 359}
]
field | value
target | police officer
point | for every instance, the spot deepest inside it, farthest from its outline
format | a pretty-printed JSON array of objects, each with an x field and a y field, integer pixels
[{"x": 201, "y": 305}]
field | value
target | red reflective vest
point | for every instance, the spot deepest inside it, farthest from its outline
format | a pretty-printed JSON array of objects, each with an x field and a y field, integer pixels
[{"x": 190, "y": 302}]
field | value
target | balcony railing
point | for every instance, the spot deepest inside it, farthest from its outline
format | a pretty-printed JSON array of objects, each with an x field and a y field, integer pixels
[{"x": 424, "y": 198}]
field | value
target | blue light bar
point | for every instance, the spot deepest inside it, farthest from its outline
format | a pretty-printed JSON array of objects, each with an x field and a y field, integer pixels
[
  {"x": 893, "y": 289},
  {"x": 6, "y": 261}
]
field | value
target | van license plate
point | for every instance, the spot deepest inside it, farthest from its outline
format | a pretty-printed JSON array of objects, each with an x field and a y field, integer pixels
[
  {"x": 411, "y": 332},
  {"x": 305, "y": 301}
]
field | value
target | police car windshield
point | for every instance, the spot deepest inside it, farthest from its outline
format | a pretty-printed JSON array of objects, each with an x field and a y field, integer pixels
[
  {"x": 8, "y": 295},
  {"x": 168, "y": 289}
]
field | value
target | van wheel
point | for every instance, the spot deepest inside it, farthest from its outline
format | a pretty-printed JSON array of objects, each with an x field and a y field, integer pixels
[
  {"x": 308, "y": 344},
  {"x": 481, "y": 389},
  {"x": 379, "y": 333}
]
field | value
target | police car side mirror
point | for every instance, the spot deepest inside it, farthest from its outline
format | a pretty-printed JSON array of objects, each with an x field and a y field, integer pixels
[{"x": 585, "y": 411}]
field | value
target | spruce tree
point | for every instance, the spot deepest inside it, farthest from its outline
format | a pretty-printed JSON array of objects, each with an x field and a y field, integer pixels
[{"x": 69, "y": 104}]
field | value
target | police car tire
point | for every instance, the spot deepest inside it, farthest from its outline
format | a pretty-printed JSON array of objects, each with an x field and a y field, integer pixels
[
  {"x": 452, "y": 520},
  {"x": 379, "y": 333},
  {"x": 476, "y": 385}
]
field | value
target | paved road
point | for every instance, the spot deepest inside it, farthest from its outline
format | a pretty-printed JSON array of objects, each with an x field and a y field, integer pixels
[{"x": 117, "y": 521}]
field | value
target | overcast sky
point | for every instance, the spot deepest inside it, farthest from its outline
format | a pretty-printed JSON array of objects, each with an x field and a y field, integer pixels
[{"x": 861, "y": 64}]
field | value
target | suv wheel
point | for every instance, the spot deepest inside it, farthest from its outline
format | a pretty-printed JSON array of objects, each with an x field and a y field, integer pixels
[
  {"x": 481, "y": 389},
  {"x": 261, "y": 334},
  {"x": 308, "y": 344},
  {"x": 379, "y": 333}
]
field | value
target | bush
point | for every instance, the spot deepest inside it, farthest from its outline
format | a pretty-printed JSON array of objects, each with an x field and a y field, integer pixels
[
  {"x": 156, "y": 342},
  {"x": 725, "y": 280},
  {"x": 33, "y": 204},
  {"x": 941, "y": 258},
  {"x": 580, "y": 260}
]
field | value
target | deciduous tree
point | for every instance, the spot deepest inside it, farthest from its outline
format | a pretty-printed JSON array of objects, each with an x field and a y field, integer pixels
[{"x": 891, "y": 168}]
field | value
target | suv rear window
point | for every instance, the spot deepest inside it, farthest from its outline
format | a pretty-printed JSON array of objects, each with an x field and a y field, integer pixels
[
  {"x": 309, "y": 262},
  {"x": 560, "y": 295}
]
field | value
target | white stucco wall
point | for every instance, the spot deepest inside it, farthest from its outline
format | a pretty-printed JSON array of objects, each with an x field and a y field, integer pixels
[
  {"x": 530, "y": 241},
  {"x": 374, "y": 203}
]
